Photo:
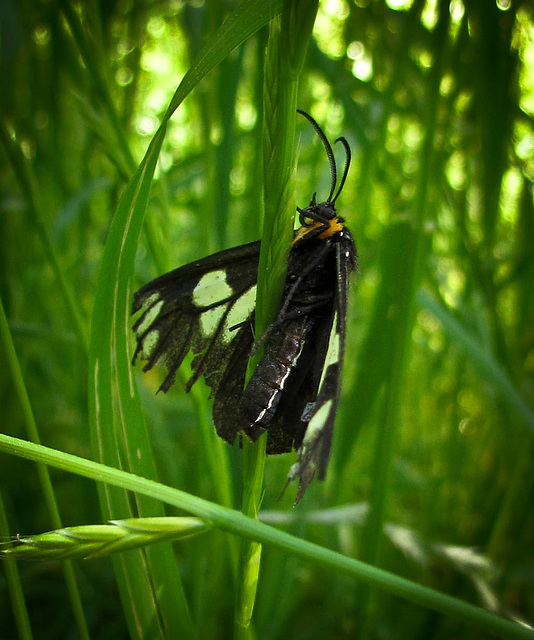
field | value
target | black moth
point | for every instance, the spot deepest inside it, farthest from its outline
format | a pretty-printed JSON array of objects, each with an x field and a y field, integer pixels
[{"x": 208, "y": 306}]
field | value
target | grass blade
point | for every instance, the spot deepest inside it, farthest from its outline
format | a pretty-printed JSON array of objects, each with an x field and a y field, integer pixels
[
  {"x": 243, "y": 526},
  {"x": 123, "y": 422},
  {"x": 482, "y": 358},
  {"x": 12, "y": 578},
  {"x": 42, "y": 471}
]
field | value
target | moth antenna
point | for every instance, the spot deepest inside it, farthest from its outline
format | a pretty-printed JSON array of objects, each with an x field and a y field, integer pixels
[
  {"x": 348, "y": 156},
  {"x": 328, "y": 149}
]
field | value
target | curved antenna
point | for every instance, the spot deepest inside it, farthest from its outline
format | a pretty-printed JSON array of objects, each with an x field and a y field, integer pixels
[
  {"x": 348, "y": 156},
  {"x": 329, "y": 152}
]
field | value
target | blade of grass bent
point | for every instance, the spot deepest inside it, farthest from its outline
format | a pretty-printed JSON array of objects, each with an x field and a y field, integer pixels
[
  {"x": 119, "y": 433},
  {"x": 237, "y": 523},
  {"x": 244, "y": 21},
  {"x": 118, "y": 429}
]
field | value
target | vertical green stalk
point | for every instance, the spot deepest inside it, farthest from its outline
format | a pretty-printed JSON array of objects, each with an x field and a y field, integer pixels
[
  {"x": 22, "y": 173},
  {"x": 289, "y": 35},
  {"x": 42, "y": 470},
  {"x": 93, "y": 59},
  {"x": 13, "y": 583},
  {"x": 415, "y": 249}
]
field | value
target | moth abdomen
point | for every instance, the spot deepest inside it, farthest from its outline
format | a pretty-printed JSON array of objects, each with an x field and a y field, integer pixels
[{"x": 272, "y": 376}]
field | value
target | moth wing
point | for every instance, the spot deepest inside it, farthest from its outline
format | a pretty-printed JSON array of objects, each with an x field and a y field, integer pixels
[
  {"x": 319, "y": 416},
  {"x": 227, "y": 415},
  {"x": 205, "y": 305}
]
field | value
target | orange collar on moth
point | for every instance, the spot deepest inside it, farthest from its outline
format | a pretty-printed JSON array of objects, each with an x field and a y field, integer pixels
[{"x": 334, "y": 226}]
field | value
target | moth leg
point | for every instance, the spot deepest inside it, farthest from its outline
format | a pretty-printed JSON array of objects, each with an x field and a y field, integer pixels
[
  {"x": 283, "y": 315},
  {"x": 234, "y": 327},
  {"x": 314, "y": 303},
  {"x": 305, "y": 272}
]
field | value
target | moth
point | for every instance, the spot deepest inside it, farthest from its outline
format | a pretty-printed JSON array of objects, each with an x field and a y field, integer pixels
[{"x": 208, "y": 307}]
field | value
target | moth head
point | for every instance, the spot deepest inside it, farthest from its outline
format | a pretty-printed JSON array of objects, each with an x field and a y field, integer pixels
[{"x": 315, "y": 212}]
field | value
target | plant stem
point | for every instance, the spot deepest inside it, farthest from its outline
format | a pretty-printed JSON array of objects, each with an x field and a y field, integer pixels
[
  {"x": 43, "y": 473},
  {"x": 286, "y": 48}
]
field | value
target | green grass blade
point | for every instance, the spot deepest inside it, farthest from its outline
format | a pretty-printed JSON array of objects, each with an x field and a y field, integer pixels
[
  {"x": 244, "y": 21},
  {"x": 23, "y": 176},
  {"x": 116, "y": 418},
  {"x": 42, "y": 471},
  {"x": 241, "y": 525},
  {"x": 12, "y": 578},
  {"x": 480, "y": 356},
  {"x": 411, "y": 270}
]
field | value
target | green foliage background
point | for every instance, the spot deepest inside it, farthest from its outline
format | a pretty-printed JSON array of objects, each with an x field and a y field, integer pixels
[{"x": 431, "y": 475}]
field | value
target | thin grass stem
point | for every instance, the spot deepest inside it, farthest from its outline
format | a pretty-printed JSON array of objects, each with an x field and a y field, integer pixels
[
  {"x": 283, "y": 65},
  {"x": 14, "y": 585},
  {"x": 42, "y": 470},
  {"x": 22, "y": 174}
]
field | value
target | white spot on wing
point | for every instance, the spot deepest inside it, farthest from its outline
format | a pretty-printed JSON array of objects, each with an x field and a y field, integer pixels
[
  {"x": 153, "y": 298},
  {"x": 209, "y": 320},
  {"x": 316, "y": 424},
  {"x": 239, "y": 312},
  {"x": 149, "y": 343},
  {"x": 211, "y": 288},
  {"x": 332, "y": 355},
  {"x": 149, "y": 318}
]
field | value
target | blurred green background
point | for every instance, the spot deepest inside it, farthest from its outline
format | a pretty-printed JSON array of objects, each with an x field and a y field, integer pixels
[{"x": 431, "y": 475}]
